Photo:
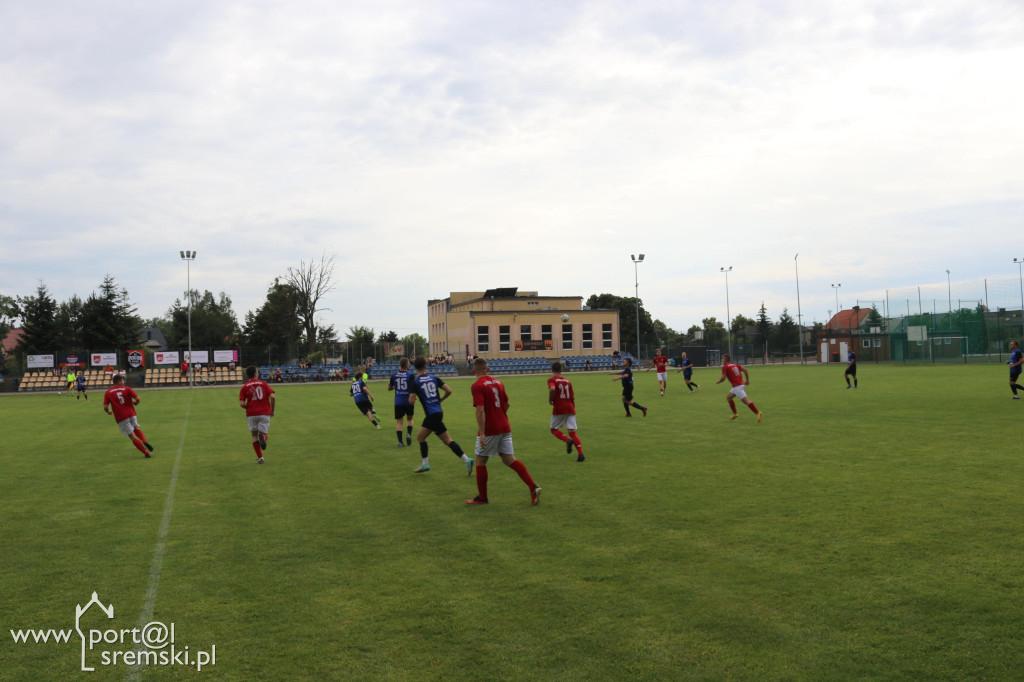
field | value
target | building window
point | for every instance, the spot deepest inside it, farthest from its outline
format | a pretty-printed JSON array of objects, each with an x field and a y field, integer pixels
[
  {"x": 482, "y": 339},
  {"x": 531, "y": 303},
  {"x": 566, "y": 337},
  {"x": 866, "y": 343},
  {"x": 588, "y": 336},
  {"x": 504, "y": 338},
  {"x": 606, "y": 335},
  {"x": 545, "y": 332},
  {"x": 878, "y": 343},
  {"x": 526, "y": 332}
]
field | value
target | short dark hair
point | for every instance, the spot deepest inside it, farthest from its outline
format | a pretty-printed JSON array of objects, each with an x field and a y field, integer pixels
[
  {"x": 556, "y": 366},
  {"x": 725, "y": 356},
  {"x": 479, "y": 363},
  {"x": 403, "y": 363},
  {"x": 118, "y": 379},
  {"x": 629, "y": 361},
  {"x": 250, "y": 371},
  {"x": 420, "y": 363}
]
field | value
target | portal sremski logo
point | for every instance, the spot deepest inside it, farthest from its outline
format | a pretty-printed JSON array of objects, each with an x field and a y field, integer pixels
[{"x": 152, "y": 644}]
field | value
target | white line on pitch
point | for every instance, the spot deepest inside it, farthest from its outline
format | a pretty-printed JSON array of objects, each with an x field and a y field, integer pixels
[{"x": 146, "y": 616}]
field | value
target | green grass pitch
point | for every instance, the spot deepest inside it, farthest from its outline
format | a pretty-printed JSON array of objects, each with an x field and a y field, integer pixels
[{"x": 868, "y": 534}]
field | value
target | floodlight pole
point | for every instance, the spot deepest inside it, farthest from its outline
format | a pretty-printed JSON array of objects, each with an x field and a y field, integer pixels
[
  {"x": 728, "y": 315},
  {"x": 636, "y": 299},
  {"x": 799, "y": 318},
  {"x": 835, "y": 288},
  {"x": 1020, "y": 262},
  {"x": 188, "y": 257},
  {"x": 949, "y": 297}
]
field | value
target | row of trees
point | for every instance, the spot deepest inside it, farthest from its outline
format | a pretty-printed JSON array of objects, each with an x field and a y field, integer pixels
[
  {"x": 779, "y": 336},
  {"x": 286, "y": 326}
]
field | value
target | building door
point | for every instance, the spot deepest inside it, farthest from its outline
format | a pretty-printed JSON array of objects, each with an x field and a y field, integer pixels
[{"x": 824, "y": 351}]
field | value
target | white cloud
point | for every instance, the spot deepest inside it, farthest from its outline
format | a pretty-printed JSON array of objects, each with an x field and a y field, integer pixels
[{"x": 450, "y": 146}]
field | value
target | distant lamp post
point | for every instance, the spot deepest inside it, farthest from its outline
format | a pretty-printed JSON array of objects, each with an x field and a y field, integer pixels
[
  {"x": 636, "y": 298},
  {"x": 799, "y": 317},
  {"x": 949, "y": 297},
  {"x": 1020, "y": 261},
  {"x": 835, "y": 288},
  {"x": 728, "y": 315},
  {"x": 188, "y": 257}
]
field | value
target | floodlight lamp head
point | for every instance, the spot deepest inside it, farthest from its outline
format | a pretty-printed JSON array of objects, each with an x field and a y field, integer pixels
[
  {"x": 183, "y": 255},
  {"x": 641, "y": 257}
]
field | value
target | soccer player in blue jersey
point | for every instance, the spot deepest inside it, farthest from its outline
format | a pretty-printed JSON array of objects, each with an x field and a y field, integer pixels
[
  {"x": 851, "y": 369},
  {"x": 399, "y": 383},
  {"x": 364, "y": 399},
  {"x": 429, "y": 389},
  {"x": 80, "y": 386},
  {"x": 687, "y": 370},
  {"x": 1015, "y": 362},
  {"x": 626, "y": 377}
]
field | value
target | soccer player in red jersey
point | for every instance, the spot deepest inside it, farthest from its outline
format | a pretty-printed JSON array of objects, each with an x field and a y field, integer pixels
[
  {"x": 258, "y": 400},
  {"x": 736, "y": 373},
  {"x": 120, "y": 401},
  {"x": 494, "y": 433},
  {"x": 660, "y": 362},
  {"x": 563, "y": 413}
]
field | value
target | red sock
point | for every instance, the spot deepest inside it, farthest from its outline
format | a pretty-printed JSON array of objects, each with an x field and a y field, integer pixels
[
  {"x": 520, "y": 469},
  {"x": 139, "y": 446},
  {"x": 752, "y": 408},
  {"x": 732, "y": 406},
  {"x": 559, "y": 435},
  {"x": 256, "y": 447},
  {"x": 141, "y": 435},
  {"x": 576, "y": 442},
  {"x": 481, "y": 482}
]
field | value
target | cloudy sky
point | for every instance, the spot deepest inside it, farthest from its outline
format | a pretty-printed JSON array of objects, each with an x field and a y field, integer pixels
[{"x": 440, "y": 146}]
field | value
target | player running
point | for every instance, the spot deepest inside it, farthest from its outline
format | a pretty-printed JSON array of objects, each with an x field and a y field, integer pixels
[
  {"x": 364, "y": 400},
  {"x": 739, "y": 378},
  {"x": 563, "y": 412},
  {"x": 428, "y": 388},
  {"x": 399, "y": 383},
  {"x": 851, "y": 369},
  {"x": 687, "y": 370},
  {"x": 660, "y": 362},
  {"x": 80, "y": 382},
  {"x": 258, "y": 400},
  {"x": 626, "y": 377},
  {"x": 1015, "y": 362},
  {"x": 120, "y": 401},
  {"x": 494, "y": 433}
]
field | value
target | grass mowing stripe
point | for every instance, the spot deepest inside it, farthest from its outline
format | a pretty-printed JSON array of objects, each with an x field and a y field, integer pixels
[{"x": 146, "y": 615}]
